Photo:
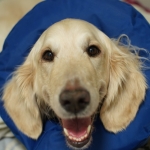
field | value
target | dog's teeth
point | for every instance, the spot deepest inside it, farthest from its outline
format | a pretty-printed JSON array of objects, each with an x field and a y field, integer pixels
[
  {"x": 78, "y": 139},
  {"x": 70, "y": 137},
  {"x": 74, "y": 139},
  {"x": 66, "y": 132},
  {"x": 88, "y": 129},
  {"x": 85, "y": 136}
]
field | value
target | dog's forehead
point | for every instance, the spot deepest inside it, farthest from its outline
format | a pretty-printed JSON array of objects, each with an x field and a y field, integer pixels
[
  {"x": 70, "y": 31},
  {"x": 70, "y": 28},
  {"x": 71, "y": 25}
]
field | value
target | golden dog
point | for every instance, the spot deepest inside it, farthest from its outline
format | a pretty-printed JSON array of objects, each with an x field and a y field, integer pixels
[{"x": 72, "y": 69}]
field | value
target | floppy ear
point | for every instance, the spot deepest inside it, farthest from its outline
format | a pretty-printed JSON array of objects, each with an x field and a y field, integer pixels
[
  {"x": 126, "y": 89},
  {"x": 20, "y": 103}
]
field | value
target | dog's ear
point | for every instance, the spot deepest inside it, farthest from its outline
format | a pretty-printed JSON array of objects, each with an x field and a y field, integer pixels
[
  {"x": 126, "y": 89},
  {"x": 20, "y": 102}
]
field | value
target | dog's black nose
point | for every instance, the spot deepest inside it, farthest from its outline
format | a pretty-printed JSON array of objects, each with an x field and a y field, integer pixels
[{"x": 75, "y": 100}]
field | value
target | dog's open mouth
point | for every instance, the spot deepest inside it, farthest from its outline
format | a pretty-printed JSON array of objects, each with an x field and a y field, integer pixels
[{"x": 77, "y": 131}]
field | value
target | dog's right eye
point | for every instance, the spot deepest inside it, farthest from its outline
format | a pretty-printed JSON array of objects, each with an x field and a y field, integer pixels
[
  {"x": 93, "y": 51},
  {"x": 48, "y": 55}
]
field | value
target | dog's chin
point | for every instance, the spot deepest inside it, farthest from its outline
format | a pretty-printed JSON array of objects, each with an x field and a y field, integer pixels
[
  {"x": 78, "y": 132},
  {"x": 79, "y": 145}
]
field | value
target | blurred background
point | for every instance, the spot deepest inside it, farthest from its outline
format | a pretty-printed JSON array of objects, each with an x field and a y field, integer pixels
[{"x": 142, "y": 6}]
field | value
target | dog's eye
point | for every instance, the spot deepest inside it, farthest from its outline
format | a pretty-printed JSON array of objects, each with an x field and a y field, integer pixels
[
  {"x": 93, "y": 51},
  {"x": 48, "y": 55}
]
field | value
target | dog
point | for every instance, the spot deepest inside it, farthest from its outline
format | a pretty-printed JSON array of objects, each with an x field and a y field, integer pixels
[{"x": 72, "y": 69}]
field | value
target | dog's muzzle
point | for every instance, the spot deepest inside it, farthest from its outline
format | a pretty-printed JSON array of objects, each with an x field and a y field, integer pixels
[{"x": 77, "y": 130}]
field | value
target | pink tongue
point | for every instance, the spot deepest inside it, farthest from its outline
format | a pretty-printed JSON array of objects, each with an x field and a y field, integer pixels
[{"x": 76, "y": 127}]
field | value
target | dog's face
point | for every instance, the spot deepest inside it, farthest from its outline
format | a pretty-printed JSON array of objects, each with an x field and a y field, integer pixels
[
  {"x": 71, "y": 76},
  {"x": 71, "y": 68}
]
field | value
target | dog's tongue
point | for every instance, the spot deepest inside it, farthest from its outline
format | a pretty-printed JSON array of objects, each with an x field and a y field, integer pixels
[{"x": 76, "y": 127}]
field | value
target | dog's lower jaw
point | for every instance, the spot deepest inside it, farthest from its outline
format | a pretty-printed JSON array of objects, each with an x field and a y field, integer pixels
[
  {"x": 80, "y": 148},
  {"x": 78, "y": 132}
]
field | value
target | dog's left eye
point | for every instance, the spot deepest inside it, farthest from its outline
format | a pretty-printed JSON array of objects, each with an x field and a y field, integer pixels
[
  {"x": 48, "y": 55},
  {"x": 93, "y": 51}
]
